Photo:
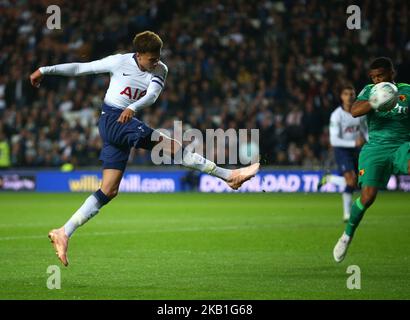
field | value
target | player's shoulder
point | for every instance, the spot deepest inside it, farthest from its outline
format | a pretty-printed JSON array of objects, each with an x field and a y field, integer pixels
[
  {"x": 336, "y": 113},
  {"x": 117, "y": 55},
  {"x": 403, "y": 87},
  {"x": 114, "y": 58},
  {"x": 124, "y": 56},
  {"x": 162, "y": 67},
  {"x": 161, "y": 70},
  {"x": 364, "y": 94}
]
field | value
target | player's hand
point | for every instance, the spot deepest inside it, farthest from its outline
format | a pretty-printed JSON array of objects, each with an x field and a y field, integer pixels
[
  {"x": 35, "y": 78},
  {"x": 126, "y": 116},
  {"x": 360, "y": 141}
]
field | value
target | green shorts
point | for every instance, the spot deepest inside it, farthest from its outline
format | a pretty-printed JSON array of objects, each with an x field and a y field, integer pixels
[{"x": 378, "y": 162}]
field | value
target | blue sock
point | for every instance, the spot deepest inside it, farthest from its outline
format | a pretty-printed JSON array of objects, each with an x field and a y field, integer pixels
[{"x": 101, "y": 197}]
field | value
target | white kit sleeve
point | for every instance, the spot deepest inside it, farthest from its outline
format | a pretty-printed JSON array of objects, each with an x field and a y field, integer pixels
[
  {"x": 105, "y": 65},
  {"x": 153, "y": 92}
]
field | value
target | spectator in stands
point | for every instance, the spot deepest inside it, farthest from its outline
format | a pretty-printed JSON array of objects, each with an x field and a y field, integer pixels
[{"x": 273, "y": 65}]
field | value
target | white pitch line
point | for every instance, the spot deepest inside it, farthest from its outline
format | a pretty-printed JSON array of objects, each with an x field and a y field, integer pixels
[{"x": 109, "y": 233}]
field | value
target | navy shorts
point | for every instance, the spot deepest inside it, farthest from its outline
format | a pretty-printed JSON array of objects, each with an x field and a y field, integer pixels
[
  {"x": 346, "y": 159},
  {"x": 119, "y": 138}
]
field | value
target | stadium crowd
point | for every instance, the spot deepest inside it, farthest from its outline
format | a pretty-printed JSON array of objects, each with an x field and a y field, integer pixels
[{"x": 272, "y": 65}]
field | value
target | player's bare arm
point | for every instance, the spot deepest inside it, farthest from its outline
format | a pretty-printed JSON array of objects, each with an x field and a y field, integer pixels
[{"x": 360, "y": 108}]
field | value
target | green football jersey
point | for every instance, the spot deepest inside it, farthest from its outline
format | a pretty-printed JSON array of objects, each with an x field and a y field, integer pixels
[{"x": 389, "y": 127}]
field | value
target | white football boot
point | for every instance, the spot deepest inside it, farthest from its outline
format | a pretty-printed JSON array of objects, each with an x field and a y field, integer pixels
[{"x": 339, "y": 252}]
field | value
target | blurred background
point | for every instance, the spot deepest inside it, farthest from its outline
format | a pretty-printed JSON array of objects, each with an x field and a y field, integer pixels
[{"x": 272, "y": 65}]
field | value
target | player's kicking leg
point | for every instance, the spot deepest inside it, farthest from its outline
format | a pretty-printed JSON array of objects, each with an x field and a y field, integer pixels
[
  {"x": 109, "y": 189},
  {"x": 234, "y": 178},
  {"x": 359, "y": 207}
]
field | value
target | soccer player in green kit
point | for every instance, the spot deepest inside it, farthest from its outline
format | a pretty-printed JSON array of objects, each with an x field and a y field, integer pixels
[{"x": 387, "y": 151}]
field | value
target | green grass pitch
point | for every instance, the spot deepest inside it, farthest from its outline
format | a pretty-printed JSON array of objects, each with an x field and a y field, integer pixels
[{"x": 204, "y": 246}]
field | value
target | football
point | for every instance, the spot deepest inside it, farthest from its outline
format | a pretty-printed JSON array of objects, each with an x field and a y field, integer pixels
[{"x": 383, "y": 96}]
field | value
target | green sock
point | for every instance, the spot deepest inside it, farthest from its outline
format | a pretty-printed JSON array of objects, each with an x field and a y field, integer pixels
[{"x": 356, "y": 215}]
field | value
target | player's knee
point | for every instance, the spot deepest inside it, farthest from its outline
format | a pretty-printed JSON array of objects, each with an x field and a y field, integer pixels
[
  {"x": 113, "y": 194},
  {"x": 368, "y": 197},
  {"x": 110, "y": 193},
  {"x": 367, "y": 202}
]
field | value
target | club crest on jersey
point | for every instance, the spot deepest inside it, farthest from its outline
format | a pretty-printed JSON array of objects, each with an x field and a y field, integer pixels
[
  {"x": 402, "y": 97},
  {"x": 137, "y": 94},
  {"x": 361, "y": 172}
]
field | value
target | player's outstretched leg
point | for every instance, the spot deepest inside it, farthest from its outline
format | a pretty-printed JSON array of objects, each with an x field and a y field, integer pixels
[{"x": 234, "y": 178}]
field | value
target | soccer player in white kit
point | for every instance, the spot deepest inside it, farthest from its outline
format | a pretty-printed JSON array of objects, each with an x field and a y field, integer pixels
[
  {"x": 347, "y": 135},
  {"x": 137, "y": 80}
]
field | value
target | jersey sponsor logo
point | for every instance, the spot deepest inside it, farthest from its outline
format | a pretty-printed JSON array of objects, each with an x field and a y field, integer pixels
[
  {"x": 398, "y": 109},
  {"x": 352, "y": 129},
  {"x": 126, "y": 74},
  {"x": 137, "y": 94}
]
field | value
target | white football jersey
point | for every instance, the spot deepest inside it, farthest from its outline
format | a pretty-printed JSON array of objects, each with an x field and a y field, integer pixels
[
  {"x": 128, "y": 83},
  {"x": 344, "y": 129}
]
